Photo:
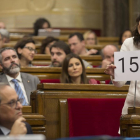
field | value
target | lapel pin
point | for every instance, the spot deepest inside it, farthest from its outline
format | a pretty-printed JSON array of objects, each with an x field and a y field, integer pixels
[{"x": 28, "y": 81}]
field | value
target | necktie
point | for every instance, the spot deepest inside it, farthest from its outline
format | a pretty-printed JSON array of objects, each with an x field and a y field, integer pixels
[{"x": 19, "y": 91}]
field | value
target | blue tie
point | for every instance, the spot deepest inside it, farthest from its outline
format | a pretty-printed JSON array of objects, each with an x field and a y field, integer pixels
[{"x": 19, "y": 91}]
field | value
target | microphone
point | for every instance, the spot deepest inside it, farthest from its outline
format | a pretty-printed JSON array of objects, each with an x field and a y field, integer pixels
[{"x": 135, "y": 95}]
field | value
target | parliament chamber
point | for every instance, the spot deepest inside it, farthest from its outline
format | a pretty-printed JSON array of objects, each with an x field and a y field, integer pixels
[{"x": 61, "y": 110}]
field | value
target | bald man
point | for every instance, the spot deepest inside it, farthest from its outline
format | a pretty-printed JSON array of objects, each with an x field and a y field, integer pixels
[
  {"x": 11, "y": 120},
  {"x": 107, "y": 54}
]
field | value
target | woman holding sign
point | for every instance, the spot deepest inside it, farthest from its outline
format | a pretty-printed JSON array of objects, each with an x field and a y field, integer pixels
[{"x": 130, "y": 44}]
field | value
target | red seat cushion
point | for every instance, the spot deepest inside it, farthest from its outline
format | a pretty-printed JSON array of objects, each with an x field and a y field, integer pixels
[
  {"x": 107, "y": 81},
  {"x": 50, "y": 81},
  {"x": 88, "y": 117}
]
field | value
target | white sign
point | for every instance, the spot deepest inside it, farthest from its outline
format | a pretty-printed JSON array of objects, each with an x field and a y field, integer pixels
[{"x": 127, "y": 65}]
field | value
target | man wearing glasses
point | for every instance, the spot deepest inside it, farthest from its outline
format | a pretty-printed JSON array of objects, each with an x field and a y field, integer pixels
[
  {"x": 23, "y": 83},
  {"x": 11, "y": 120}
]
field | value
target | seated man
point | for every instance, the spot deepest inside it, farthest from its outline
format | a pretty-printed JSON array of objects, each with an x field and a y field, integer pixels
[
  {"x": 58, "y": 51},
  {"x": 107, "y": 54},
  {"x": 77, "y": 45},
  {"x": 11, "y": 120},
  {"x": 23, "y": 83}
]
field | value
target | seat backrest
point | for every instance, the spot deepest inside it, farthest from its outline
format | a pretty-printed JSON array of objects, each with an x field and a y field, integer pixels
[{"x": 89, "y": 117}]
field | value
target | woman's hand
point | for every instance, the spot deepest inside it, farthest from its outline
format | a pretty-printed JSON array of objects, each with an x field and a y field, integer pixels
[{"x": 110, "y": 70}]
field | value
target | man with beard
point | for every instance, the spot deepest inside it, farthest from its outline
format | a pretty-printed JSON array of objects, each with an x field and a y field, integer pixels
[
  {"x": 58, "y": 51},
  {"x": 23, "y": 83},
  {"x": 11, "y": 120}
]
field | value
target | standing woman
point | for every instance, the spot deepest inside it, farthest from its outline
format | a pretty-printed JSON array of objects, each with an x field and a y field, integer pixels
[
  {"x": 26, "y": 50},
  {"x": 73, "y": 71},
  {"x": 130, "y": 44}
]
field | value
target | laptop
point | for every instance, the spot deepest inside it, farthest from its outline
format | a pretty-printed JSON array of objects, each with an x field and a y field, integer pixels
[{"x": 53, "y": 33}]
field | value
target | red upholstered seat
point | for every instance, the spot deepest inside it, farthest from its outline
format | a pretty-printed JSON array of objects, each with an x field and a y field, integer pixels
[
  {"x": 107, "y": 81},
  {"x": 50, "y": 81},
  {"x": 89, "y": 117}
]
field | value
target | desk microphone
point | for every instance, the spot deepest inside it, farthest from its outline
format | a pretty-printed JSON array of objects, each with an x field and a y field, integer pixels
[{"x": 135, "y": 95}]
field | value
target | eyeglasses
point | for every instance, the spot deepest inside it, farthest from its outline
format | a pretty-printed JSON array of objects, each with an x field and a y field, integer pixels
[
  {"x": 90, "y": 39},
  {"x": 13, "y": 103},
  {"x": 31, "y": 49}
]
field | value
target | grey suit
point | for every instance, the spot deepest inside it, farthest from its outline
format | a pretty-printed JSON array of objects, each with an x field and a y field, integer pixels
[{"x": 30, "y": 82}]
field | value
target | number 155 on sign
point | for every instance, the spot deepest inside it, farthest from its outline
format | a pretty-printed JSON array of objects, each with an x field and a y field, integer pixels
[{"x": 127, "y": 65}]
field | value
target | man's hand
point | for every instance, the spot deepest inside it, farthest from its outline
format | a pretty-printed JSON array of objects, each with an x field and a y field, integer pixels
[
  {"x": 92, "y": 51},
  {"x": 19, "y": 127},
  {"x": 105, "y": 62}
]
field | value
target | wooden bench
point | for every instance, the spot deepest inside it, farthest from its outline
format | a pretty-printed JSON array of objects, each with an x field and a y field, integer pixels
[
  {"x": 38, "y": 38},
  {"x": 51, "y": 101},
  {"x": 63, "y": 31},
  {"x": 38, "y": 46},
  {"x": 108, "y": 40},
  {"x": 54, "y": 73},
  {"x": 101, "y": 40},
  {"x": 43, "y": 59},
  {"x": 37, "y": 121}
]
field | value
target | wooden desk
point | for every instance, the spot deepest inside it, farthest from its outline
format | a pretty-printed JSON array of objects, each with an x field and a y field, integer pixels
[
  {"x": 51, "y": 101},
  {"x": 37, "y": 122},
  {"x": 27, "y": 109}
]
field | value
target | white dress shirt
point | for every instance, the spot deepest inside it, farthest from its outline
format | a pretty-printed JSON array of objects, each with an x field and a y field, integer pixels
[
  {"x": 19, "y": 79},
  {"x": 5, "y": 130}
]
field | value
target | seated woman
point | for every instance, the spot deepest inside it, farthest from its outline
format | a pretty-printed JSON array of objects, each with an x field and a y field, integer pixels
[
  {"x": 124, "y": 35},
  {"x": 90, "y": 38},
  {"x": 46, "y": 43},
  {"x": 73, "y": 71},
  {"x": 26, "y": 50},
  {"x": 41, "y": 23}
]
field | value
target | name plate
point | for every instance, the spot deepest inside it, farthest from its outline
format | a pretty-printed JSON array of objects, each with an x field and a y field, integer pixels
[{"x": 127, "y": 65}]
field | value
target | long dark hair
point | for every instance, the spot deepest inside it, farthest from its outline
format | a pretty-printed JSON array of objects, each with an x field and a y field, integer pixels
[
  {"x": 39, "y": 24},
  {"x": 65, "y": 78},
  {"x": 120, "y": 38},
  {"x": 46, "y": 42},
  {"x": 136, "y": 34}
]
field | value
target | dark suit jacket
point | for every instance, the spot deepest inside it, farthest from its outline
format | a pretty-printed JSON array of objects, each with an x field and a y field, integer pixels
[
  {"x": 29, "y": 129},
  {"x": 30, "y": 82}
]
